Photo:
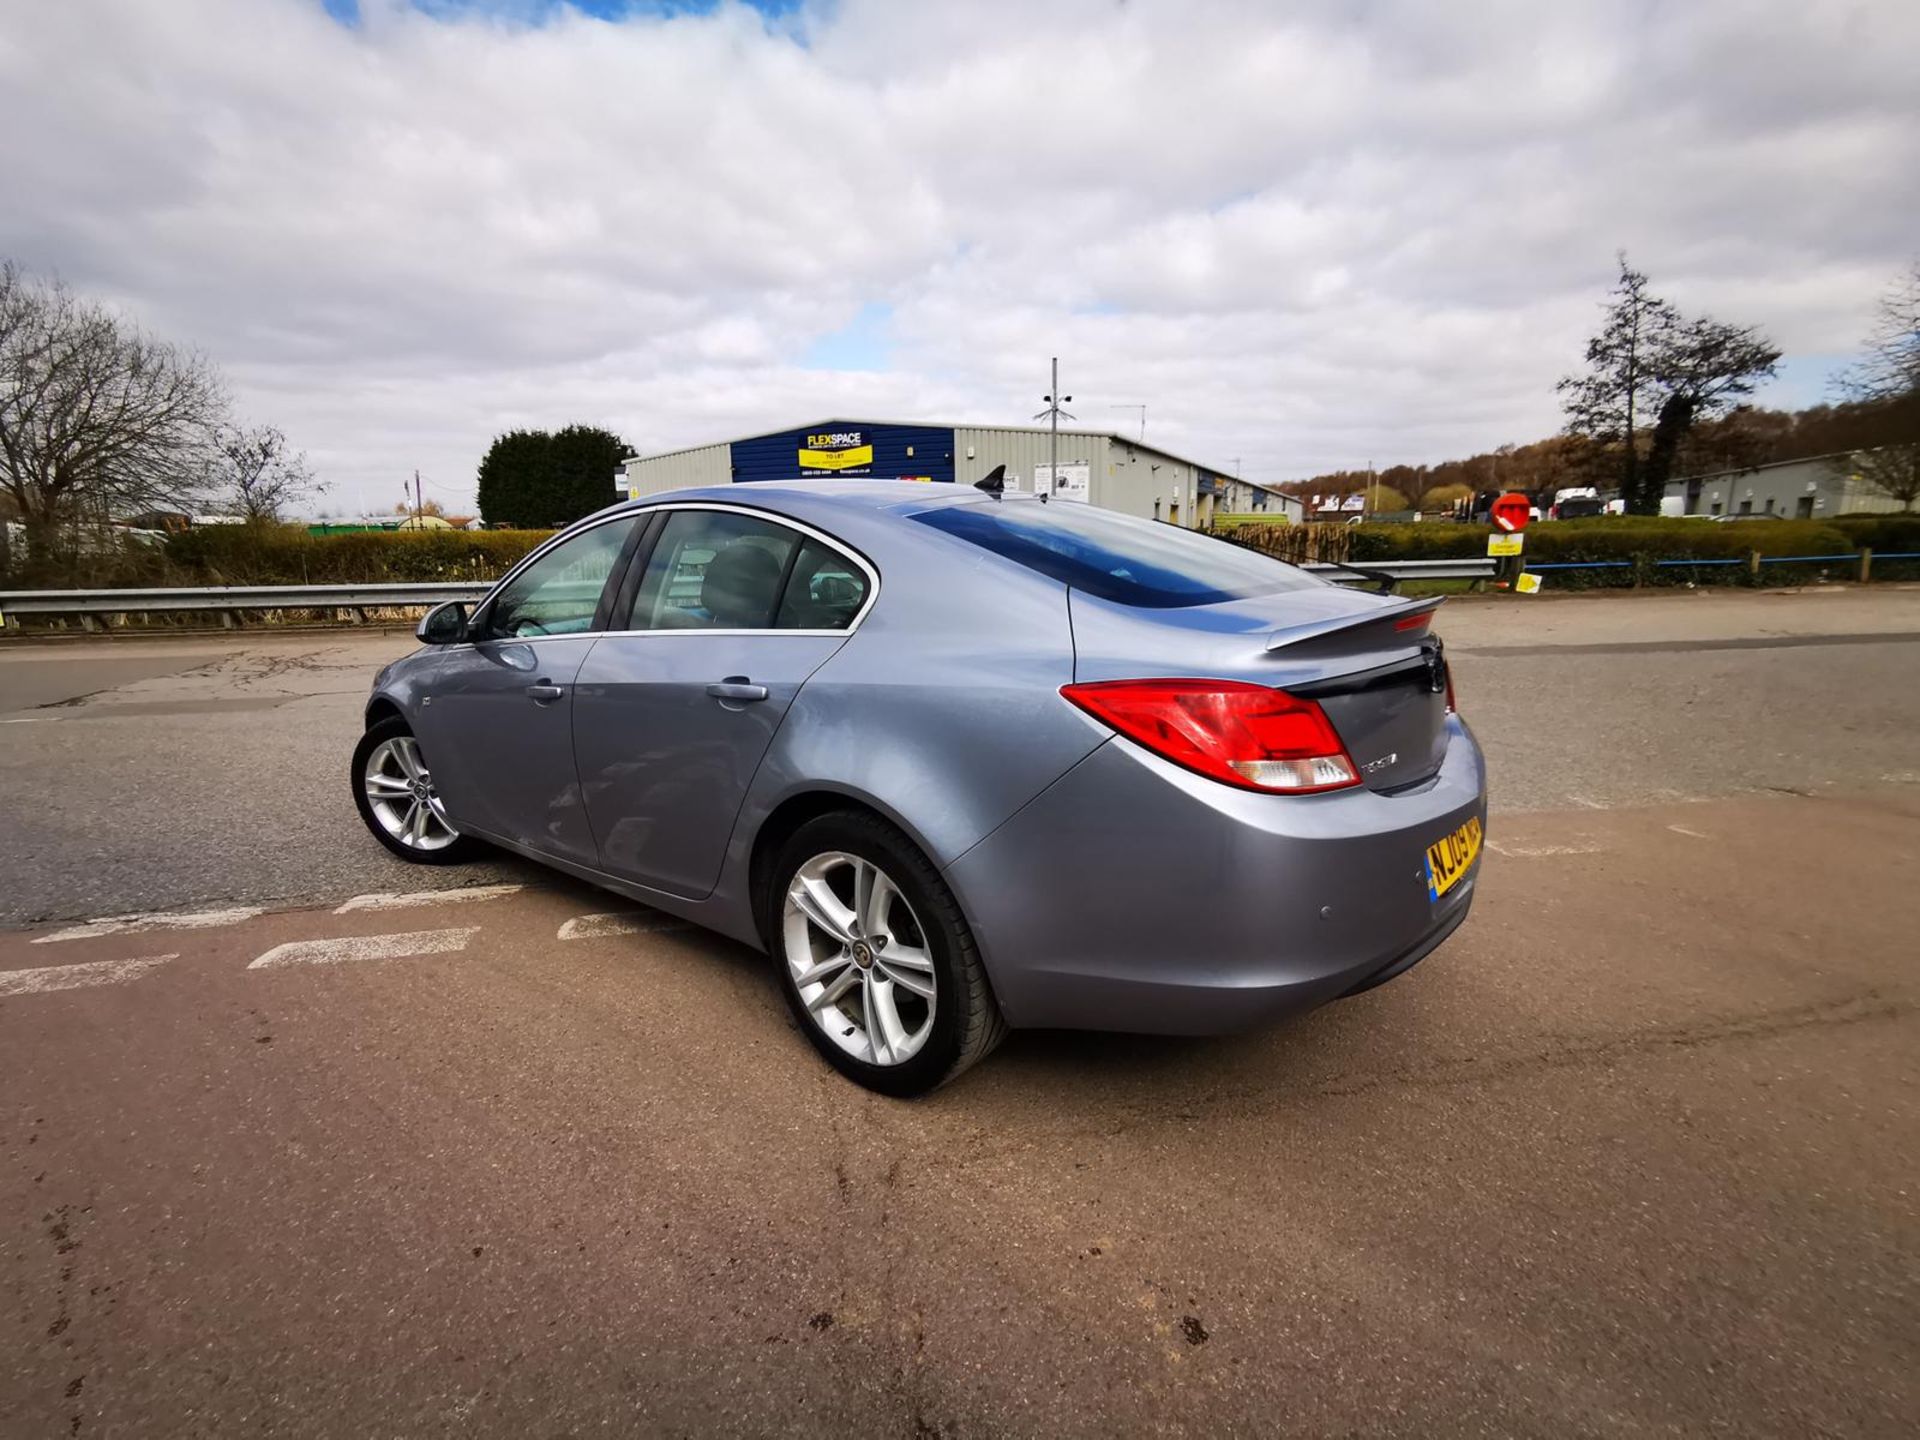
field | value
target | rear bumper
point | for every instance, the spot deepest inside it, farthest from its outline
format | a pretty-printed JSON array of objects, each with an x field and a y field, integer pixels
[{"x": 1134, "y": 895}]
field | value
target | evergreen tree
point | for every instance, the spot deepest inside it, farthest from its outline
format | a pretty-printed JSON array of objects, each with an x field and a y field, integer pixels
[
  {"x": 534, "y": 480},
  {"x": 1649, "y": 362}
]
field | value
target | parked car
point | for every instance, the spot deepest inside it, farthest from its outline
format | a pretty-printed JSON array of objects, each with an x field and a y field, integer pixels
[{"x": 960, "y": 761}]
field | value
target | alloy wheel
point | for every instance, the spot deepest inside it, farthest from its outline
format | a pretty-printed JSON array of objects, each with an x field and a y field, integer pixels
[
  {"x": 401, "y": 795},
  {"x": 859, "y": 958}
]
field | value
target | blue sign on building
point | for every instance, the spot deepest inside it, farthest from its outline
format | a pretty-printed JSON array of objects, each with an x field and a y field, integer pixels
[{"x": 853, "y": 449}]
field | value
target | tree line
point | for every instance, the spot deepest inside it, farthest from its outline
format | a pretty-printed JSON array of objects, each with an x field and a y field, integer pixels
[{"x": 1664, "y": 394}]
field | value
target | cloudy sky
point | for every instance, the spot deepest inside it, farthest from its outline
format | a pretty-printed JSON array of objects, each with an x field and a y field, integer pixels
[{"x": 1305, "y": 235}]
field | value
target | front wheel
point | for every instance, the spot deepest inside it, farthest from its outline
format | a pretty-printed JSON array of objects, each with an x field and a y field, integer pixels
[
  {"x": 875, "y": 958},
  {"x": 395, "y": 794}
]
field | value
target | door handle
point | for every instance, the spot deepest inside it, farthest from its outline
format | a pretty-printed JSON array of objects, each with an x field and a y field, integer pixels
[
  {"x": 738, "y": 688},
  {"x": 545, "y": 691}
]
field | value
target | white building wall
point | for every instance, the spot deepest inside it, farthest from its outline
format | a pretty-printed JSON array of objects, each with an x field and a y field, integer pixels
[
  {"x": 978, "y": 448},
  {"x": 680, "y": 470},
  {"x": 1151, "y": 483},
  {"x": 1818, "y": 488},
  {"x": 1242, "y": 497},
  {"x": 1123, "y": 475}
]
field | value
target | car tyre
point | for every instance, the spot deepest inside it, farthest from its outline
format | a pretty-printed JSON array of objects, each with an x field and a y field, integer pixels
[
  {"x": 401, "y": 815},
  {"x": 924, "y": 922}
]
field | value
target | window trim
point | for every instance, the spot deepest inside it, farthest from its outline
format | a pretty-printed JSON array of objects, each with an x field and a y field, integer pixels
[
  {"x": 535, "y": 555},
  {"x": 637, "y": 558},
  {"x": 641, "y": 557}
]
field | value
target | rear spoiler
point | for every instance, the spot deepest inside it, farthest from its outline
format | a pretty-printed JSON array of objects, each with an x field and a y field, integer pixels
[{"x": 1402, "y": 610}]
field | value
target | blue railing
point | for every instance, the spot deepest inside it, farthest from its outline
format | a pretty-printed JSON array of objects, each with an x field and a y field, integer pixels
[{"x": 1850, "y": 557}]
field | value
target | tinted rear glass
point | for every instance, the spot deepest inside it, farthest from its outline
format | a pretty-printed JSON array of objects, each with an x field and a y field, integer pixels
[{"x": 1116, "y": 557}]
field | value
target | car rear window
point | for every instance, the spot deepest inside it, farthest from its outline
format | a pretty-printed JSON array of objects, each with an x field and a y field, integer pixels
[{"x": 1117, "y": 557}]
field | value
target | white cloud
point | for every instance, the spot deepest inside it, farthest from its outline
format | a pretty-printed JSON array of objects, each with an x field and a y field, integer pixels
[{"x": 1304, "y": 236}]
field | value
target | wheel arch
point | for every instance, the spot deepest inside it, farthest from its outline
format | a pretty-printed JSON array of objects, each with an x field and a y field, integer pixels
[
  {"x": 381, "y": 708},
  {"x": 796, "y": 809}
]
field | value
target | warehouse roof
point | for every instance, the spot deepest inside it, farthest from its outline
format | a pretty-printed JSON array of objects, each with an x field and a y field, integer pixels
[
  {"x": 950, "y": 425},
  {"x": 1829, "y": 458}
]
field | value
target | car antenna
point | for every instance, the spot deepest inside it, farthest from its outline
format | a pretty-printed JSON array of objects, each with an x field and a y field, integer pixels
[{"x": 994, "y": 482}]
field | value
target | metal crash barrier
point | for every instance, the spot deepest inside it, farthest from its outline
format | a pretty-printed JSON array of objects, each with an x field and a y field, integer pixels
[{"x": 96, "y": 608}]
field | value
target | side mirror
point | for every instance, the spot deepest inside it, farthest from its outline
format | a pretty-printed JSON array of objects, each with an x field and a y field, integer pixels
[{"x": 445, "y": 624}]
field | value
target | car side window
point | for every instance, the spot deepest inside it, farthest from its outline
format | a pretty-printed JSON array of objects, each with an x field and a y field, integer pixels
[
  {"x": 558, "y": 593},
  {"x": 824, "y": 592},
  {"x": 714, "y": 570}
]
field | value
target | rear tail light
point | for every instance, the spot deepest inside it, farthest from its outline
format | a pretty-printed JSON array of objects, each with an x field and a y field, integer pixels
[{"x": 1246, "y": 735}]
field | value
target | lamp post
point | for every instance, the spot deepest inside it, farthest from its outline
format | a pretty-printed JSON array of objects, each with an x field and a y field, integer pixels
[{"x": 1052, "y": 415}]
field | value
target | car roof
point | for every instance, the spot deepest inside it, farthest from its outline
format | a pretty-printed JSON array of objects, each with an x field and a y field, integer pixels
[{"x": 901, "y": 496}]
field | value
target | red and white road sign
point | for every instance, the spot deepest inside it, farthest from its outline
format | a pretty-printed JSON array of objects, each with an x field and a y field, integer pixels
[{"x": 1512, "y": 511}]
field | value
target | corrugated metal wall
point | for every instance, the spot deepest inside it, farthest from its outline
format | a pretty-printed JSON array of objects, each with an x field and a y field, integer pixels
[
  {"x": 1152, "y": 483},
  {"x": 978, "y": 448},
  {"x": 708, "y": 465}
]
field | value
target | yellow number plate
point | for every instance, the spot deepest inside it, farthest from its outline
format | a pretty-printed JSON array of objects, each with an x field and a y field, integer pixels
[{"x": 1450, "y": 857}]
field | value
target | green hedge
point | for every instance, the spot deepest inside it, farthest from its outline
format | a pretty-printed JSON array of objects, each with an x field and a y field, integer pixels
[
  {"x": 288, "y": 555},
  {"x": 1889, "y": 534},
  {"x": 1646, "y": 539}
]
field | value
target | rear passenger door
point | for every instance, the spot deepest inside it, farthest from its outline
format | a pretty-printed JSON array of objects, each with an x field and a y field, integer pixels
[{"x": 725, "y": 618}]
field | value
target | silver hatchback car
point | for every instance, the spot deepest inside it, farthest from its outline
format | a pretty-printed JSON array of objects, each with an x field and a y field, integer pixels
[{"x": 959, "y": 760}]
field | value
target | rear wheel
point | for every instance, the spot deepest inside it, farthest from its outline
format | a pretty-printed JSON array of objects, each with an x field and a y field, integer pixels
[
  {"x": 875, "y": 959},
  {"x": 395, "y": 794}
]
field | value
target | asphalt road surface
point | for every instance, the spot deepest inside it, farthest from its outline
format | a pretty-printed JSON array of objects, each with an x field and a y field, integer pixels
[{"x": 325, "y": 1150}]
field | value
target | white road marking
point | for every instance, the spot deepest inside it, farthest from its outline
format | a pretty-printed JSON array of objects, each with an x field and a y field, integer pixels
[
  {"x": 134, "y": 924},
  {"x": 1683, "y": 830},
  {"x": 365, "y": 947},
  {"x": 77, "y": 977},
  {"x": 1584, "y": 803},
  {"x": 1538, "y": 852},
  {"x": 625, "y": 922},
  {"x": 28, "y": 720},
  {"x": 389, "y": 901}
]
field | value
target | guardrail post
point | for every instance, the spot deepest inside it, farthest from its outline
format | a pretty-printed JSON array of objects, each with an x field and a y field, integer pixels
[
  {"x": 1866, "y": 563},
  {"x": 1753, "y": 564},
  {"x": 229, "y": 620}
]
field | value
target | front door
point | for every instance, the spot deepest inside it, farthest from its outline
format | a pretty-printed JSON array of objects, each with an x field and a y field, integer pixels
[
  {"x": 732, "y": 612},
  {"x": 497, "y": 725}
]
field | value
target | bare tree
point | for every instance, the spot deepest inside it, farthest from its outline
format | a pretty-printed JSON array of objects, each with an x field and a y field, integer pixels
[
  {"x": 1650, "y": 361},
  {"x": 1893, "y": 470},
  {"x": 256, "y": 474},
  {"x": 96, "y": 417},
  {"x": 1890, "y": 368},
  {"x": 1888, "y": 378}
]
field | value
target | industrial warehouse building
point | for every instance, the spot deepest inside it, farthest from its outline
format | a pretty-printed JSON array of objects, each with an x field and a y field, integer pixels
[
  {"x": 1813, "y": 489},
  {"x": 1095, "y": 466}
]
